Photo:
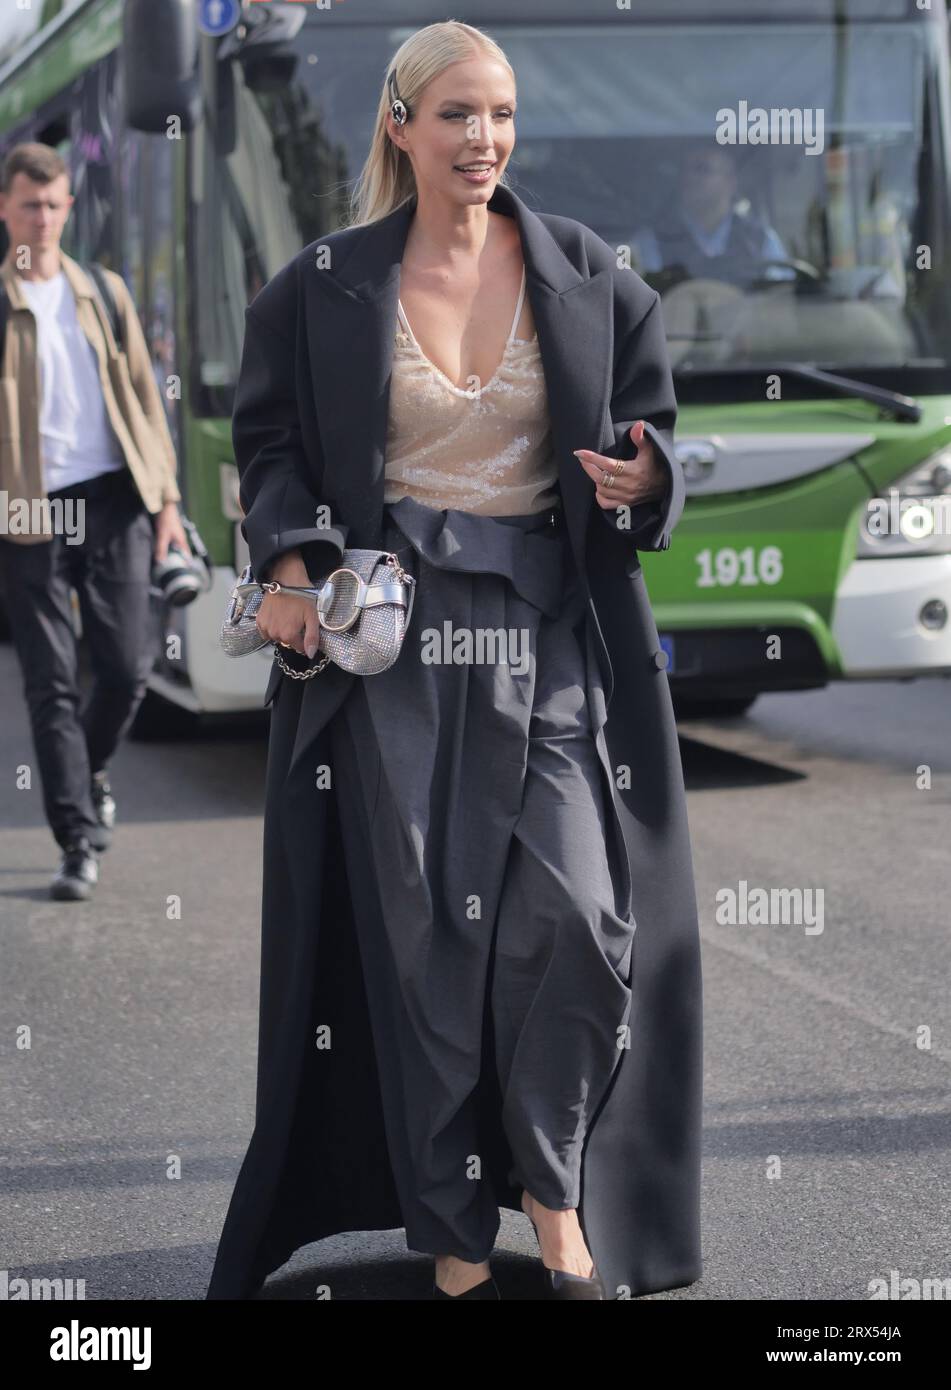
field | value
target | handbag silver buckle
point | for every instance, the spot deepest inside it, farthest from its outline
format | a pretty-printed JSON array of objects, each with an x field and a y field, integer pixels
[
  {"x": 327, "y": 597},
  {"x": 365, "y": 596}
]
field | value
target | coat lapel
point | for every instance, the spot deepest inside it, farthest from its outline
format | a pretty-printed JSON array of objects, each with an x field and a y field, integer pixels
[
  {"x": 351, "y": 322},
  {"x": 351, "y": 316}
]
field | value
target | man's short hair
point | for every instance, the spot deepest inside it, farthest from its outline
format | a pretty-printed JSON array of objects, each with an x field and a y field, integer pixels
[{"x": 39, "y": 162}]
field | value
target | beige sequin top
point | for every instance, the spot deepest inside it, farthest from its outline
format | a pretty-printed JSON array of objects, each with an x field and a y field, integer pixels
[{"x": 486, "y": 450}]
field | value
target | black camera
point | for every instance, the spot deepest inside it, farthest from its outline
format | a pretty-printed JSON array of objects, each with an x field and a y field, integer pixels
[{"x": 180, "y": 578}]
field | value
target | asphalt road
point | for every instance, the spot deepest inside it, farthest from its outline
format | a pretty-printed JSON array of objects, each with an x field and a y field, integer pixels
[{"x": 827, "y": 1152}]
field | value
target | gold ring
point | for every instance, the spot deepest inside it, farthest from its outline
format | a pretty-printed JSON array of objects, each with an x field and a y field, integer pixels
[
  {"x": 607, "y": 481},
  {"x": 619, "y": 468}
]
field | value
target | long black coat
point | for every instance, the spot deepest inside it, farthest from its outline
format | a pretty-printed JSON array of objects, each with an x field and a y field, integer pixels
[{"x": 310, "y": 432}]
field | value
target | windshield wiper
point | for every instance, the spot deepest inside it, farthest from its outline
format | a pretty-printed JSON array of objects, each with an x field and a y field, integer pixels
[{"x": 902, "y": 407}]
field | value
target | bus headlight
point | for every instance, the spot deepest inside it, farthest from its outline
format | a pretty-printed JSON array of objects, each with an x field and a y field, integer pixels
[{"x": 913, "y": 516}]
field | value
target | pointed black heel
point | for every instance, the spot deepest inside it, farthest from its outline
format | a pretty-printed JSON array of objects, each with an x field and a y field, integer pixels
[
  {"x": 560, "y": 1284},
  {"x": 488, "y": 1289}
]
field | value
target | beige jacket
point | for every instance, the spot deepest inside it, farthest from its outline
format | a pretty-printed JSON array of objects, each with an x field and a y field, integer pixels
[{"x": 132, "y": 398}]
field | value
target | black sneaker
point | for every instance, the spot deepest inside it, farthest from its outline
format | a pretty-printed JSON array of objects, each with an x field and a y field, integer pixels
[{"x": 78, "y": 873}]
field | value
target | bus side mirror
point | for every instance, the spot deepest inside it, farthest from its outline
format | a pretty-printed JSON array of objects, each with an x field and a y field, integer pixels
[
  {"x": 263, "y": 43},
  {"x": 159, "y": 61}
]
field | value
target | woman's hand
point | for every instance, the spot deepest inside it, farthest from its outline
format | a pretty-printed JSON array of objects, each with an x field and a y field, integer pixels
[
  {"x": 640, "y": 479},
  {"x": 287, "y": 618}
]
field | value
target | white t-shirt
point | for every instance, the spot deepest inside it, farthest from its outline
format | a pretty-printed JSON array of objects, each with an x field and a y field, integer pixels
[{"x": 76, "y": 439}]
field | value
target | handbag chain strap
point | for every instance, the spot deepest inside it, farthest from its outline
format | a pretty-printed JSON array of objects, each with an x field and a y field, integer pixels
[
  {"x": 272, "y": 586},
  {"x": 299, "y": 675}
]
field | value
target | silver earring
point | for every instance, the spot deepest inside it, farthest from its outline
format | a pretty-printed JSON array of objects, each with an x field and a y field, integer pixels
[{"x": 398, "y": 107}]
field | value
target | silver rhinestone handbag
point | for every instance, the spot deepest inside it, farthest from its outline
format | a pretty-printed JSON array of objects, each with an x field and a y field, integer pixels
[{"x": 364, "y": 607}]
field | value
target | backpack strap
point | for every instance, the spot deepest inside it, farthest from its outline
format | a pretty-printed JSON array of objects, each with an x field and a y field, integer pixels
[
  {"x": 4, "y": 315},
  {"x": 106, "y": 299}
]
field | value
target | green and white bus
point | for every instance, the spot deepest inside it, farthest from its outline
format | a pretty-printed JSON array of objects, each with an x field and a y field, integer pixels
[{"x": 777, "y": 169}]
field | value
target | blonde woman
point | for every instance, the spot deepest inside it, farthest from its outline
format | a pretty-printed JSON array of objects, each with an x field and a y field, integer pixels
[{"x": 480, "y": 967}]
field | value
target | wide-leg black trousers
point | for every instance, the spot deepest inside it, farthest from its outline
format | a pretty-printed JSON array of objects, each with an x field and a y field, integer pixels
[{"x": 486, "y": 884}]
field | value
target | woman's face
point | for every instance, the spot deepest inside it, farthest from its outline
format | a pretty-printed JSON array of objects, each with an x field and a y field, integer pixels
[{"x": 465, "y": 116}]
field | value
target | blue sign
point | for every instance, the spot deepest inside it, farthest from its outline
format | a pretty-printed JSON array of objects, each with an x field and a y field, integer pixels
[
  {"x": 667, "y": 645},
  {"x": 217, "y": 17}
]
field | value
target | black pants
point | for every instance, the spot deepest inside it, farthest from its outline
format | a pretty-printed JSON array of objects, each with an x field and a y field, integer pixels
[
  {"x": 485, "y": 895},
  {"x": 110, "y": 571}
]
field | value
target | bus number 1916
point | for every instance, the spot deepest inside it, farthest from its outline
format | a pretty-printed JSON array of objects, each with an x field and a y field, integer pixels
[{"x": 748, "y": 566}]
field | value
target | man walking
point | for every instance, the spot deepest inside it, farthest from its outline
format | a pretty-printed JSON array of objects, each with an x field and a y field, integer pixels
[{"x": 83, "y": 436}]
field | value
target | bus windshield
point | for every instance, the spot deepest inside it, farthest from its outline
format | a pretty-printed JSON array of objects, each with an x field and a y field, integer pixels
[{"x": 827, "y": 247}]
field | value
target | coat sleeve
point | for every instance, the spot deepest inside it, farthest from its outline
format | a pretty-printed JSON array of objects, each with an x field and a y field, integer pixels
[
  {"x": 144, "y": 384},
  {"x": 275, "y": 488},
  {"x": 644, "y": 390}
]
